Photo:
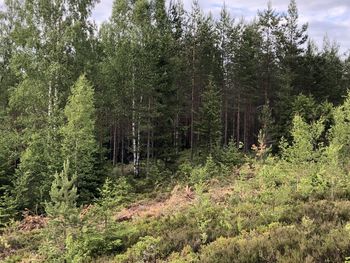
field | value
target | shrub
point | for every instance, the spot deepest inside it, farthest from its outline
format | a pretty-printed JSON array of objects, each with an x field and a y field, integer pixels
[
  {"x": 186, "y": 256},
  {"x": 201, "y": 174},
  {"x": 305, "y": 141},
  {"x": 146, "y": 250},
  {"x": 91, "y": 243},
  {"x": 231, "y": 155}
]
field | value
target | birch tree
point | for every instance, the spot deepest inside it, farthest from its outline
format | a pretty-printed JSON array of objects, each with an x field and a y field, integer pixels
[{"x": 79, "y": 142}]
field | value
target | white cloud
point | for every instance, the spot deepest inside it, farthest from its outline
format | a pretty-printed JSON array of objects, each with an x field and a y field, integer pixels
[{"x": 325, "y": 17}]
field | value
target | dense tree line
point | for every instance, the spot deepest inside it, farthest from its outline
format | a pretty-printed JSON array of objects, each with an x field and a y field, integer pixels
[{"x": 154, "y": 82}]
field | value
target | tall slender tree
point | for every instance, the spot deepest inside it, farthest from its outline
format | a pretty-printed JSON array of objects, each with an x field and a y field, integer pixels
[
  {"x": 226, "y": 32},
  {"x": 79, "y": 142},
  {"x": 209, "y": 124}
]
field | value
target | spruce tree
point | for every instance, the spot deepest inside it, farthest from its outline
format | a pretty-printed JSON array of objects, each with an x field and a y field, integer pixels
[
  {"x": 163, "y": 110},
  {"x": 79, "y": 143}
]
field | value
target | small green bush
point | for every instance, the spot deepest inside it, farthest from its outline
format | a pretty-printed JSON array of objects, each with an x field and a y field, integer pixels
[{"x": 146, "y": 250}]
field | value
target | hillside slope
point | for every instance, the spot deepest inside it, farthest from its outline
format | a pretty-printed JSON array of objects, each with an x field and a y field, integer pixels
[{"x": 254, "y": 214}]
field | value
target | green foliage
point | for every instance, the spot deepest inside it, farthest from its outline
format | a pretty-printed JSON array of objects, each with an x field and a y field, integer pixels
[
  {"x": 261, "y": 150},
  {"x": 79, "y": 143},
  {"x": 33, "y": 172},
  {"x": 24, "y": 243},
  {"x": 63, "y": 215},
  {"x": 184, "y": 169},
  {"x": 277, "y": 244},
  {"x": 8, "y": 208},
  {"x": 305, "y": 106},
  {"x": 100, "y": 234},
  {"x": 231, "y": 155},
  {"x": 91, "y": 242},
  {"x": 305, "y": 147},
  {"x": 210, "y": 118},
  {"x": 145, "y": 250},
  {"x": 267, "y": 124},
  {"x": 113, "y": 194},
  {"x": 166, "y": 94},
  {"x": 208, "y": 217},
  {"x": 186, "y": 255},
  {"x": 28, "y": 103},
  {"x": 340, "y": 135},
  {"x": 63, "y": 195},
  {"x": 201, "y": 174}
]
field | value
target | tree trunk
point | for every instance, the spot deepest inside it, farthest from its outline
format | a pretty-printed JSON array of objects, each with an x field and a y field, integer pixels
[
  {"x": 152, "y": 143},
  {"x": 225, "y": 100},
  {"x": 192, "y": 103},
  {"x": 238, "y": 119},
  {"x": 245, "y": 126},
  {"x": 115, "y": 143},
  {"x": 225, "y": 120},
  {"x": 133, "y": 126},
  {"x": 148, "y": 136},
  {"x": 138, "y": 140},
  {"x": 49, "y": 110},
  {"x": 176, "y": 134},
  {"x": 122, "y": 154},
  {"x": 233, "y": 123}
]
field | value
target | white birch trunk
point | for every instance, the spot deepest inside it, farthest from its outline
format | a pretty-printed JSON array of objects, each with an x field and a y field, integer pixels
[{"x": 49, "y": 110}]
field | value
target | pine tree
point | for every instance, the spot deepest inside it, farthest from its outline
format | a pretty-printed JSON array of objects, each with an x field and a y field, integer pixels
[
  {"x": 62, "y": 213},
  {"x": 210, "y": 124},
  {"x": 63, "y": 194},
  {"x": 290, "y": 52},
  {"x": 165, "y": 103},
  {"x": 8, "y": 207},
  {"x": 293, "y": 38},
  {"x": 79, "y": 143},
  {"x": 204, "y": 61},
  {"x": 227, "y": 37},
  {"x": 269, "y": 29},
  {"x": 246, "y": 68},
  {"x": 181, "y": 74}
]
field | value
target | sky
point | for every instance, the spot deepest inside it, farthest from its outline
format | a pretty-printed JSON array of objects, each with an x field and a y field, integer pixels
[{"x": 325, "y": 17}]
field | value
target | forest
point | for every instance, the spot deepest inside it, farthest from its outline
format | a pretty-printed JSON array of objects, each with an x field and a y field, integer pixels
[{"x": 170, "y": 135}]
